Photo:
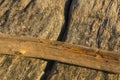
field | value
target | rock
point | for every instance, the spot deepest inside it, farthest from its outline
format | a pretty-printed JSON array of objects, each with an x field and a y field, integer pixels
[
  {"x": 92, "y": 23},
  {"x": 16, "y": 67},
  {"x": 32, "y": 18}
]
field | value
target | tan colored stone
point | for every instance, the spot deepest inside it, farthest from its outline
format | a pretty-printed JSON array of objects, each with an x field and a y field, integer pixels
[
  {"x": 93, "y": 23},
  {"x": 34, "y": 18}
]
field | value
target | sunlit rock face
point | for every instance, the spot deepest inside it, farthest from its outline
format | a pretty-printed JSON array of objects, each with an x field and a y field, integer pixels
[
  {"x": 92, "y": 23},
  {"x": 37, "y": 18},
  {"x": 32, "y": 18}
]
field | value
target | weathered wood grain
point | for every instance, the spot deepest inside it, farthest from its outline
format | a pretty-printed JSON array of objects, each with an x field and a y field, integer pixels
[{"x": 62, "y": 52}]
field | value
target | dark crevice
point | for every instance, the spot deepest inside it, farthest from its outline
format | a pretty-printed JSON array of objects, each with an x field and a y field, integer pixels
[
  {"x": 61, "y": 37},
  {"x": 105, "y": 23},
  {"x": 100, "y": 32},
  {"x": 7, "y": 13},
  {"x": 95, "y": 1},
  {"x": 105, "y": 75},
  {"x": 47, "y": 70},
  {"x": 91, "y": 26},
  {"x": 31, "y": 2},
  {"x": 6, "y": 16},
  {"x": 64, "y": 30},
  {"x": 103, "y": 2},
  {"x": 109, "y": 6},
  {"x": 2, "y": 2}
]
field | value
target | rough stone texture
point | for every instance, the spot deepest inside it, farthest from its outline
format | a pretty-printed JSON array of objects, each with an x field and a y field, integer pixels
[
  {"x": 93, "y": 23},
  {"x": 34, "y": 18},
  {"x": 21, "y": 68}
]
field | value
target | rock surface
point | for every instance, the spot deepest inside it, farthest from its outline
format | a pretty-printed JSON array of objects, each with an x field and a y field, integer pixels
[
  {"x": 93, "y": 23},
  {"x": 34, "y": 18}
]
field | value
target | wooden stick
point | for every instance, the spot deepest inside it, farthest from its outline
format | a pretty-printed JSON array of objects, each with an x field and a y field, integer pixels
[{"x": 62, "y": 52}]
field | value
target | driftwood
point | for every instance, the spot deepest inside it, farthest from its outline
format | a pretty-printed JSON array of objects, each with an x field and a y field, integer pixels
[{"x": 62, "y": 52}]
